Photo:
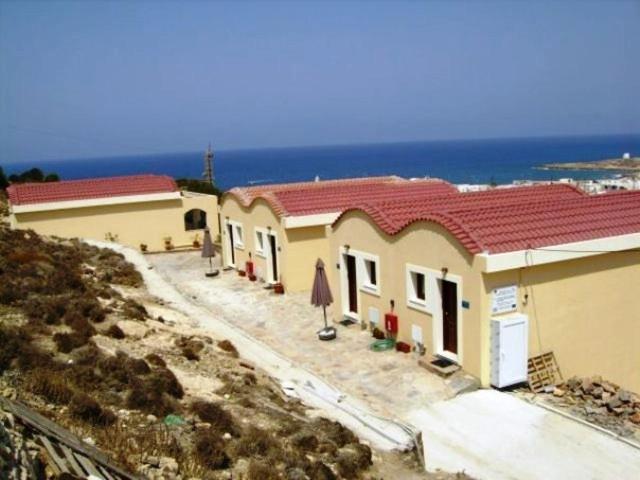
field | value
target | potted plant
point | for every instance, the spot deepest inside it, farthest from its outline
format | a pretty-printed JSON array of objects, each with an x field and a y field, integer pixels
[
  {"x": 242, "y": 273},
  {"x": 168, "y": 245},
  {"x": 144, "y": 247},
  {"x": 196, "y": 241},
  {"x": 278, "y": 288}
]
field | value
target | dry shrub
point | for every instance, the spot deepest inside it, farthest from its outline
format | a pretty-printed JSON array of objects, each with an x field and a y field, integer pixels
[
  {"x": 79, "y": 324},
  {"x": 49, "y": 384},
  {"x": 320, "y": 471},
  {"x": 88, "y": 307},
  {"x": 86, "y": 408},
  {"x": 138, "y": 366},
  {"x": 156, "y": 393},
  {"x": 155, "y": 360},
  {"x": 212, "y": 413},
  {"x": 27, "y": 256},
  {"x": 66, "y": 342},
  {"x": 333, "y": 431},
  {"x": 256, "y": 442},
  {"x": 189, "y": 354},
  {"x": 134, "y": 310},
  {"x": 261, "y": 470},
  {"x": 114, "y": 331},
  {"x": 347, "y": 466},
  {"x": 228, "y": 347},
  {"x": 48, "y": 308},
  {"x": 304, "y": 440},
  {"x": 209, "y": 450}
]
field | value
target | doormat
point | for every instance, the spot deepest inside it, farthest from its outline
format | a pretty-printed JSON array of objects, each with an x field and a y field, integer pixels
[
  {"x": 345, "y": 322},
  {"x": 442, "y": 362}
]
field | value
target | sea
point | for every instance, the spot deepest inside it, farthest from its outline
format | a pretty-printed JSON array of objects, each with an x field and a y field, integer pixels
[{"x": 458, "y": 161}]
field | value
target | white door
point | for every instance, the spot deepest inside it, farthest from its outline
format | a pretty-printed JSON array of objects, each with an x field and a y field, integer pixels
[{"x": 513, "y": 353}]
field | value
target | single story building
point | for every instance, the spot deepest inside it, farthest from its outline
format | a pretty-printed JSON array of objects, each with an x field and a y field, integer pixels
[
  {"x": 148, "y": 212},
  {"x": 282, "y": 229},
  {"x": 559, "y": 266}
]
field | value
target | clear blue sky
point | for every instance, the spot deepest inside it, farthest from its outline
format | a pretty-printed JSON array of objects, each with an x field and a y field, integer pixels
[{"x": 84, "y": 79}]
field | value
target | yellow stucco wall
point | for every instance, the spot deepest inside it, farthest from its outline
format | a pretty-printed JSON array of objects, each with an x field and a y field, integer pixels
[
  {"x": 131, "y": 224},
  {"x": 425, "y": 245},
  {"x": 298, "y": 247},
  {"x": 587, "y": 310}
]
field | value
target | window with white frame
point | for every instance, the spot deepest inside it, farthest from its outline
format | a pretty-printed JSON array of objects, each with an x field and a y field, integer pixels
[
  {"x": 260, "y": 243},
  {"x": 417, "y": 285},
  {"x": 239, "y": 237},
  {"x": 371, "y": 277},
  {"x": 238, "y": 234}
]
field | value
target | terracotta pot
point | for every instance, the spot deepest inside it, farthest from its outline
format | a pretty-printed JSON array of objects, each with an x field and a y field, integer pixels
[{"x": 242, "y": 273}]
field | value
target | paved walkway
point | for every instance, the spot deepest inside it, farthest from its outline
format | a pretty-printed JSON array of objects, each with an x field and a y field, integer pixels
[
  {"x": 487, "y": 433},
  {"x": 391, "y": 383}
]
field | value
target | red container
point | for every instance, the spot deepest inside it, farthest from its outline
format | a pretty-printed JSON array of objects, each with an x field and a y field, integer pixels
[
  {"x": 252, "y": 277},
  {"x": 403, "y": 347},
  {"x": 391, "y": 322},
  {"x": 248, "y": 266}
]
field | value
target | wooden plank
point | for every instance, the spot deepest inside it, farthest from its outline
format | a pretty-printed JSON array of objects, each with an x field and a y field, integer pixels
[
  {"x": 89, "y": 466},
  {"x": 58, "y": 462},
  {"x": 106, "y": 473},
  {"x": 71, "y": 460},
  {"x": 52, "y": 430}
]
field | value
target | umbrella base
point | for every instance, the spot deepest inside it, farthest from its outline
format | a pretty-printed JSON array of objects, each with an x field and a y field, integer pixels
[
  {"x": 328, "y": 333},
  {"x": 212, "y": 274}
]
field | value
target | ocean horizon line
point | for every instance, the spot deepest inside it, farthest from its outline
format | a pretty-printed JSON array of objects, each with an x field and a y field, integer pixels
[{"x": 332, "y": 146}]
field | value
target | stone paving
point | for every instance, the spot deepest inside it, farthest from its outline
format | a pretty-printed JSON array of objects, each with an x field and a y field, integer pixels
[{"x": 391, "y": 383}]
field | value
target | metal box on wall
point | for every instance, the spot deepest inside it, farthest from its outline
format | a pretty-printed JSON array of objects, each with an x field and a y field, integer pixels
[{"x": 509, "y": 350}]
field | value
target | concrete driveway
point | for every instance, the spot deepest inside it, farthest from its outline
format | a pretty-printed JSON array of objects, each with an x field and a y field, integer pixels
[{"x": 488, "y": 434}]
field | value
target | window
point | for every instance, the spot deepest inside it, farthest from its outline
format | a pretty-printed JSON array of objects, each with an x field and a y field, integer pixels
[
  {"x": 370, "y": 272},
  {"x": 417, "y": 285},
  {"x": 260, "y": 243},
  {"x": 195, "y": 220},
  {"x": 239, "y": 237},
  {"x": 370, "y": 267}
]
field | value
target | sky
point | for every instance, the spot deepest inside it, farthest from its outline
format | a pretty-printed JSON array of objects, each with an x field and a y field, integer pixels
[{"x": 94, "y": 79}]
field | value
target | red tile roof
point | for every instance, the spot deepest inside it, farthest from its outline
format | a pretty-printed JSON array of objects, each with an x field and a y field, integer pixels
[
  {"x": 519, "y": 218},
  {"x": 29, "y": 193},
  {"x": 328, "y": 196}
]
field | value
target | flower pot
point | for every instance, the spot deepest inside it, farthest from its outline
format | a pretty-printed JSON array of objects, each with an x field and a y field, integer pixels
[
  {"x": 278, "y": 288},
  {"x": 252, "y": 278},
  {"x": 242, "y": 273}
]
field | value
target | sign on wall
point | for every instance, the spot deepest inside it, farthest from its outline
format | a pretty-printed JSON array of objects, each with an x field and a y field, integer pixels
[{"x": 504, "y": 299}]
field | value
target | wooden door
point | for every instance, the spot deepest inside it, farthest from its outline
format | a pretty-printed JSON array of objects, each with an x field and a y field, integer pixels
[
  {"x": 450, "y": 316},
  {"x": 274, "y": 257},
  {"x": 232, "y": 249},
  {"x": 352, "y": 281}
]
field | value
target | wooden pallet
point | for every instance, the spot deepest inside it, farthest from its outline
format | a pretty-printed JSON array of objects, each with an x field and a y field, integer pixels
[
  {"x": 65, "y": 452},
  {"x": 543, "y": 371}
]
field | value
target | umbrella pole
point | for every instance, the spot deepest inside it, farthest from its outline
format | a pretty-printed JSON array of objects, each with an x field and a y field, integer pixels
[
  {"x": 324, "y": 311},
  {"x": 210, "y": 266}
]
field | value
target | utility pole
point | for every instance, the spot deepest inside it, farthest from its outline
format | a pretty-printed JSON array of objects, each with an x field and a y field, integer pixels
[{"x": 208, "y": 166}]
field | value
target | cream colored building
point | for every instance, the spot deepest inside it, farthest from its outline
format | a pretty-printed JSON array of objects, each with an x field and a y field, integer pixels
[
  {"x": 142, "y": 211},
  {"x": 456, "y": 268},
  {"x": 283, "y": 229}
]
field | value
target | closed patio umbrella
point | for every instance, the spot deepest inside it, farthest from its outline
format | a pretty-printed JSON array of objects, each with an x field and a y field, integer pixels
[
  {"x": 208, "y": 251},
  {"x": 321, "y": 297}
]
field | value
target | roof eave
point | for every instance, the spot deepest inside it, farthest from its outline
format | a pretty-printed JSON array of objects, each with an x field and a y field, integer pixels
[
  {"x": 499, "y": 262},
  {"x": 94, "y": 202}
]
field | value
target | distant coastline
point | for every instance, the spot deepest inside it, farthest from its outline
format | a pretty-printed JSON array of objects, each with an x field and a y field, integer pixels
[{"x": 619, "y": 164}]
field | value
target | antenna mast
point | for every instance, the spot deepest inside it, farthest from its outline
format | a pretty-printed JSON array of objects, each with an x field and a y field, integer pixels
[{"x": 208, "y": 165}]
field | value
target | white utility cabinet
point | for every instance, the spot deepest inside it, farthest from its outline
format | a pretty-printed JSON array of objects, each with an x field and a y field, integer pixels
[{"x": 509, "y": 349}]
